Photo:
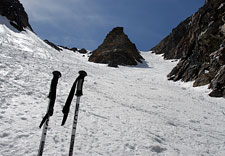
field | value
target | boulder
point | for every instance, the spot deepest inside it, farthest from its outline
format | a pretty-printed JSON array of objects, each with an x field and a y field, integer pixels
[
  {"x": 82, "y": 51},
  {"x": 74, "y": 49}
]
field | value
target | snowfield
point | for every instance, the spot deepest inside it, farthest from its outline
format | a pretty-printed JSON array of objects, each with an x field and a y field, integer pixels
[{"x": 125, "y": 111}]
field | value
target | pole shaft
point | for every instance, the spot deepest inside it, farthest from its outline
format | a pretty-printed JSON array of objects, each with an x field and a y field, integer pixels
[
  {"x": 43, "y": 136},
  {"x": 74, "y": 126}
]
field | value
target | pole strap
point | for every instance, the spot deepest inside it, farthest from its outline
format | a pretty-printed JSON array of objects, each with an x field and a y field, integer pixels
[
  {"x": 79, "y": 83},
  {"x": 66, "y": 107}
]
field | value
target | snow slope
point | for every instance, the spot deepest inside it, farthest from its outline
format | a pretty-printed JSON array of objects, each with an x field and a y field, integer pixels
[{"x": 125, "y": 111}]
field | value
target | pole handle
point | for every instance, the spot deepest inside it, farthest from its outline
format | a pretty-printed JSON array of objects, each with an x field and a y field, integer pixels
[
  {"x": 51, "y": 96},
  {"x": 79, "y": 91},
  {"x": 80, "y": 81}
]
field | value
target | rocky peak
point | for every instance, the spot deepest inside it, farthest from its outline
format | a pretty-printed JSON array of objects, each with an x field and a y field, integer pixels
[
  {"x": 15, "y": 13},
  {"x": 199, "y": 43},
  {"x": 116, "y": 49},
  {"x": 117, "y": 36}
]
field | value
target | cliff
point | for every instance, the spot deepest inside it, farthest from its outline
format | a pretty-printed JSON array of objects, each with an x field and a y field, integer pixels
[{"x": 199, "y": 43}]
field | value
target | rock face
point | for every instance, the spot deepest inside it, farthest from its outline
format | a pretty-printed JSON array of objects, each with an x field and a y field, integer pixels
[
  {"x": 116, "y": 50},
  {"x": 14, "y": 11},
  {"x": 199, "y": 43}
]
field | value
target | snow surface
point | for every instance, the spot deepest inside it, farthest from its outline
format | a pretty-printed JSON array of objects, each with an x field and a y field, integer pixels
[{"x": 125, "y": 111}]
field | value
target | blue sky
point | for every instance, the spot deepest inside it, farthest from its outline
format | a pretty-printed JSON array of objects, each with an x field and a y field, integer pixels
[{"x": 85, "y": 23}]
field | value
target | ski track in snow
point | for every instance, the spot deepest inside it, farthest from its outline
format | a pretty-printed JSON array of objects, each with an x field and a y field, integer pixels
[{"x": 125, "y": 111}]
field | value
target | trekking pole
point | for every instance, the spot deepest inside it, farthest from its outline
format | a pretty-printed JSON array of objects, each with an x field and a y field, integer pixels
[
  {"x": 50, "y": 109},
  {"x": 79, "y": 82}
]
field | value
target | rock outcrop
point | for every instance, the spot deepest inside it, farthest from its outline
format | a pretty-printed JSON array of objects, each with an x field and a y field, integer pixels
[
  {"x": 199, "y": 43},
  {"x": 82, "y": 51},
  {"x": 53, "y": 45},
  {"x": 116, "y": 50},
  {"x": 74, "y": 49},
  {"x": 15, "y": 13}
]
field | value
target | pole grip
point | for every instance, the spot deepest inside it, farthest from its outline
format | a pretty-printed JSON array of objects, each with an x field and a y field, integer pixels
[
  {"x": 79, "y": 91},
  {"x": 80, "y": 81}
]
